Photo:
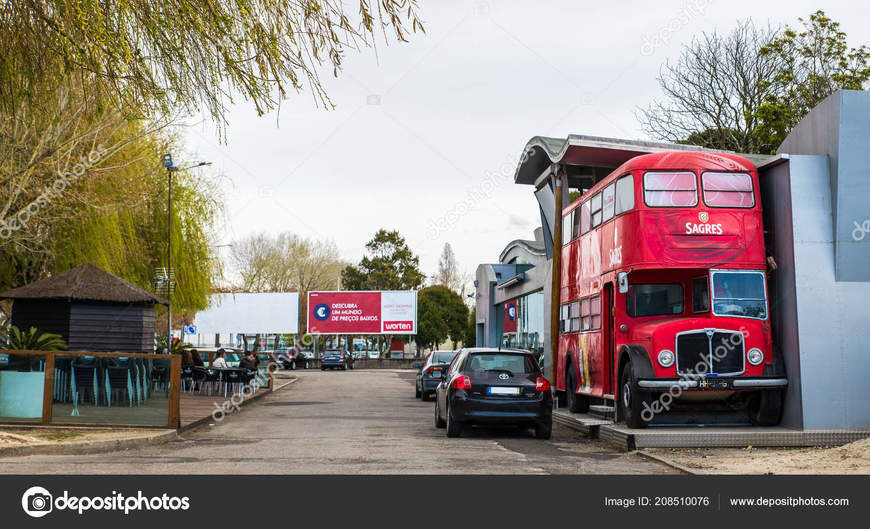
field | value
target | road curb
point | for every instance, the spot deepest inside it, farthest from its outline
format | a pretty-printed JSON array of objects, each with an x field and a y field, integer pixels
[
  {"x": 89, "y": 447},
  {"x": 668, "y": 462}
]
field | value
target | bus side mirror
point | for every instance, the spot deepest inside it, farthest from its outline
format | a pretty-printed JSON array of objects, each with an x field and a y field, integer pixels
[{"x": 622, "y": 282}]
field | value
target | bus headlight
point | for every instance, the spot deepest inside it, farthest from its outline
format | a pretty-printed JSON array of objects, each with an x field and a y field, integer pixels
[
  {"x": 666, "y": 358},
  {"x": 755, "y": 356}
]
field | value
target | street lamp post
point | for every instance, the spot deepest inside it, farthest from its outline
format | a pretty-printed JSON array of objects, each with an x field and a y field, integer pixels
[{"x": 171, "y": 168}]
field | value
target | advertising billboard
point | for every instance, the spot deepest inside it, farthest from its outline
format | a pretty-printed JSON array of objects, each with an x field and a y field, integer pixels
[
  {"x": 362, "y": 312},
  {"x": 250, "y": 313}
]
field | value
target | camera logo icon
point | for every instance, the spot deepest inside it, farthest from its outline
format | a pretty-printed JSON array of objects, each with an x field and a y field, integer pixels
[{"x": 37, "y": 502}]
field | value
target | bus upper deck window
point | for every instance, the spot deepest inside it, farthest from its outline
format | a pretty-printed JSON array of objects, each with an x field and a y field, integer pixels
[
  {"x": 575, "y": 225},
  {"x": 608, "y": 199},
  {"x": 624, "y": 194},
  {"x": 566, "y": 228},
  {"x": 595, "y": 207},
  {"x": 728, "y": 190},
  {"x": 585, "y": 217},
  {"x": 670, "y": 189}
]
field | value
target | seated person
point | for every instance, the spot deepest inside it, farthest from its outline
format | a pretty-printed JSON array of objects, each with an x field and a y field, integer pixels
[
  {"x": 220, "y": 361},
  {"x": 249, "y": 361},
  {"x": 197, "y": 360},
  {"x": 187, "y": 358}
]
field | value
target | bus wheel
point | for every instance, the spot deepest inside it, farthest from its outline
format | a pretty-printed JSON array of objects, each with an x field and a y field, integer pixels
[
  {"x": 576, "y": 403},
  {"x": 632, "y": 401},
  {"x": 765, "y": 408}
]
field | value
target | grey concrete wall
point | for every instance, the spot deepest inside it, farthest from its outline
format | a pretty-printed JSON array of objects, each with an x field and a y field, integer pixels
[
  {"x": 832, "y": 315},
  {"x": 779, "y": 241},
  {"x": 839, "y": 128}
]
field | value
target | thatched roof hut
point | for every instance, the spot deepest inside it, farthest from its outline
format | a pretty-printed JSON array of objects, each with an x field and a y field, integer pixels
[{"x": 92, "y": 309}]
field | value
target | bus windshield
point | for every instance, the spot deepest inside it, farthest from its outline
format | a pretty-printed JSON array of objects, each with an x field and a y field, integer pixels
[
  {"x": 654, "y": 300},
  {"x": 739, "y": 294}
]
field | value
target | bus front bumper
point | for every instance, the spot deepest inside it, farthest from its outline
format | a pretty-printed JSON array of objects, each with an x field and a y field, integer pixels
[{"x": 713, "y": 383}]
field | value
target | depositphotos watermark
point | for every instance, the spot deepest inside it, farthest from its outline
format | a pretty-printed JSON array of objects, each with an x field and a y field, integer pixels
[
  {"x": 691, "y": 10},
  {"x": 861, "y": 230},
  {"x": 51, "y": 192},
  {"x": 485, "y": 190},
  {"x": 38, "y": 502}
]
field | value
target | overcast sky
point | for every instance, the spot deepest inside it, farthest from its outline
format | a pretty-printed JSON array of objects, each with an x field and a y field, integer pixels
[{"x": 429, "y": 126}]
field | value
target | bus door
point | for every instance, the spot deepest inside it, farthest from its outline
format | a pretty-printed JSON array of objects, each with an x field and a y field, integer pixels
[{"x": 607, "y": 338}]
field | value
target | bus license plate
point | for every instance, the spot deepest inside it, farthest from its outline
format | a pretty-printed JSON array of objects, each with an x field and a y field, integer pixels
[{"x": 500, "y": 390}]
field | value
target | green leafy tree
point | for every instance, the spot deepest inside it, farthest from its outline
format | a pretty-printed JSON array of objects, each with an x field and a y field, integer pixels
[
  {"x": 163, "y": 55},
  {"x": 177, "y": 346},
  {"x": 388, "y": 265},
  {"x": 813, "y": 62},
  {"x": 432, "y": 326},
  {"x": 114, "y": 215},
  {"x": 441, "y": 313}
]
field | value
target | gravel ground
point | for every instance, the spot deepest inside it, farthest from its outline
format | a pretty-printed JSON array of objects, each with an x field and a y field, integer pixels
[
  {"x": 853, "y": 458},
  {"x": 40, "y": 436}
]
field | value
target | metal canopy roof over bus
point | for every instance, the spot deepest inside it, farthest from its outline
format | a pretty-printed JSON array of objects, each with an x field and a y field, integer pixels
[{"x": 588, "y": 159}]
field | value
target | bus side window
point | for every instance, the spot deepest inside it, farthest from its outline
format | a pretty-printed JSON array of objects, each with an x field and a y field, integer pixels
[
  {"x": 584, "y": 312},
  {"x": 585, "y": 218},
  {"x": 566, "y": 228},
  {"x": 700, "y": 294},
  {"x": 595, "y": 205},
  {"x": 595, "y": 311},
  {"x": 575, "y": 316},
  {"x": 575, "y": 226}
]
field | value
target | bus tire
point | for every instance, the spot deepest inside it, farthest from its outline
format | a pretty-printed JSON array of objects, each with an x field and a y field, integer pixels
[
  {"x": 575, "y": 403},
  {"x": 632, "y": 401},
  {"x": 765, "y": 408}
]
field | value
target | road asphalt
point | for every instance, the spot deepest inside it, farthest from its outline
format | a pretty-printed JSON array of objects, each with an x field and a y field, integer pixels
[{"x": 348, "y": 422}]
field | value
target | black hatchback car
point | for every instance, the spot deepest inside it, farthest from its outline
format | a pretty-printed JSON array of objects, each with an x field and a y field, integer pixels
[
  {"x": 429, "y": 376},
  {"x": 492, "y": 386}
]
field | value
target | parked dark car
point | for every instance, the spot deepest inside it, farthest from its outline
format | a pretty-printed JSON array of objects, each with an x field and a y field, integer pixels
[
  {"x": 491, "y": 386},
  {"x": 429, "y": 376},
  {"x": 291, "y": 358},
  {"x": 336, "y": 359}
]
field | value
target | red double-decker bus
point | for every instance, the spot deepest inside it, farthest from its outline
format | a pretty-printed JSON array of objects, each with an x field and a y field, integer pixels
[{"x": 664, "y": 291}]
